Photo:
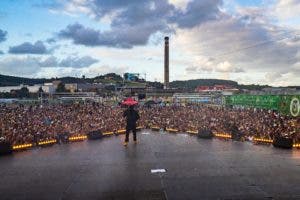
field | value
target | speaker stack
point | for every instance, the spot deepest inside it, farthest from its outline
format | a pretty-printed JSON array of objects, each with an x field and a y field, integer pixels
[
  {"x": 205, "y": 134},
  {"x": 5, "y": 148},
  {"x": 95, "y": 135},
  {"x": 283, "y": 142}
]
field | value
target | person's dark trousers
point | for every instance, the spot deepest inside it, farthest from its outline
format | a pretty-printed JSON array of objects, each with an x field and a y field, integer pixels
[{"x": 128, "y": 129}]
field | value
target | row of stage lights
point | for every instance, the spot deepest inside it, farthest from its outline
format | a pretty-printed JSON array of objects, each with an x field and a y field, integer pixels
[
  {"x": 47, "y": 142},
  {"x": 297, "y": 145},
  {"x": 223, "y": 135},
  {"x": 78, "y": 138},
  {"x": 122, "y": 131},
  {"x": 263, "y": 140}
]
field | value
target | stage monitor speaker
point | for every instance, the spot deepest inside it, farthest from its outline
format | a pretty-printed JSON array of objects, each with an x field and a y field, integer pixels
[
  {"x": 205, "y": 133},
  {"x": 282, "y": 142},
  {"x": 94, "y": 135},
  {"x": 236, "y": 135},
  {"x": 5, "y": 148}
]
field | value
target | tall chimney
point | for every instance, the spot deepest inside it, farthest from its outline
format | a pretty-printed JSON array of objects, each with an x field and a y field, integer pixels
[{"x": 166, "y": 65}]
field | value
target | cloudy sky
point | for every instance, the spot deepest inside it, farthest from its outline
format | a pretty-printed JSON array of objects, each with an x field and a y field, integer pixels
[{"x": 249, "y": 41}]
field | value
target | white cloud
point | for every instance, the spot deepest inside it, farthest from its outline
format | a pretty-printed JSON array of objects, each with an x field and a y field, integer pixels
[
  {"x": 249, "y": 44},
  {"x": 287, "y": 9},
  {"x": 245, "y": 43},
  {"x": 22, "y": 65},
  {"x": 180, "y": 4},
  {"x": 228, "y": 67},
  {"x": 44, "y": 66}
]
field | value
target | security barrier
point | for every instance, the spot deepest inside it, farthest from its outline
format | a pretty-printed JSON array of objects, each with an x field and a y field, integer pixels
[
  {"x": 22, "y": 146},
  {"x": 77, "y": 138}
]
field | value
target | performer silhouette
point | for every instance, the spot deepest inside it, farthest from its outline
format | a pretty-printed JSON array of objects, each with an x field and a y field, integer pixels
[{"x": 131, "y": 116}]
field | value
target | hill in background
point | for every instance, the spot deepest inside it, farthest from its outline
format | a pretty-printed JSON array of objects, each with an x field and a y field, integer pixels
[{"x": 113, "y": 78}]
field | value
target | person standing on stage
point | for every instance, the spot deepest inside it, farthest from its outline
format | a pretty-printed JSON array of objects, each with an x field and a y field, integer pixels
[{"x": 131, "y": 116}]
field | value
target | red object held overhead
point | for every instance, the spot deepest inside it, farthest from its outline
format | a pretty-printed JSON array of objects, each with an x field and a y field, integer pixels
[{"x": 129, "y": 102}]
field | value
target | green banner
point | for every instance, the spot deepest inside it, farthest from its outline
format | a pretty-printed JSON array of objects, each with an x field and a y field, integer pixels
[{"x": 285, "y": 104}]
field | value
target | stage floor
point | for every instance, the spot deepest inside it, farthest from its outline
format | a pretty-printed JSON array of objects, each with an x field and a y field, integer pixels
[{"x": 195, "y": 169}]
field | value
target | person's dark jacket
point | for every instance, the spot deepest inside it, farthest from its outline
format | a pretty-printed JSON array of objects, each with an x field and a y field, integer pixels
[{"x": 131, "y": 116}]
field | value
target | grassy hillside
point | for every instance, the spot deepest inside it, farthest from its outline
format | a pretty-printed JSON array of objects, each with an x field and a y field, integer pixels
[
  {"x": 192, "y": 84},
  {"x": 113, "y": 78}
]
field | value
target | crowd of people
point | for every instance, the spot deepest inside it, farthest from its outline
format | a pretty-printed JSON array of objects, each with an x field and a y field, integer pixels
[{"x": 21, "y": 124}]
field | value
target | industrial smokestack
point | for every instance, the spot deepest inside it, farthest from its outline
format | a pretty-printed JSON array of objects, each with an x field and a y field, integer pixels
[{"x": 166, "y": 64}]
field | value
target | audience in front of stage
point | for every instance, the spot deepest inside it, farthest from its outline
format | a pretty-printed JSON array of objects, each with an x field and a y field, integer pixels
[{"x": 29, "y": 124}]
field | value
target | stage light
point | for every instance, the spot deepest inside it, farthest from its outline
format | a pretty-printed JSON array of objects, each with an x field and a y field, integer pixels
[
  {"x": 297, "y": 145},
  {"x": 263, "y": 140},
  {"x": 122, "y": 131},
  {"x": 192, "y": 132},
  {"x": 171, "y": 130},
  {"x": 22, "y": 146},
  {"x": 46, "y": 142},
  {"x": 223, "y": 135},
  {"x": 108, "y": 133},
  {"x": 78, "y": 138},
  {"x": 155, "y": 128}
]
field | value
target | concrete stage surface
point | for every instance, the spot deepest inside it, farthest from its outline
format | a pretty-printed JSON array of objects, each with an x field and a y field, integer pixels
[{"x": 195, "y": 169}]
